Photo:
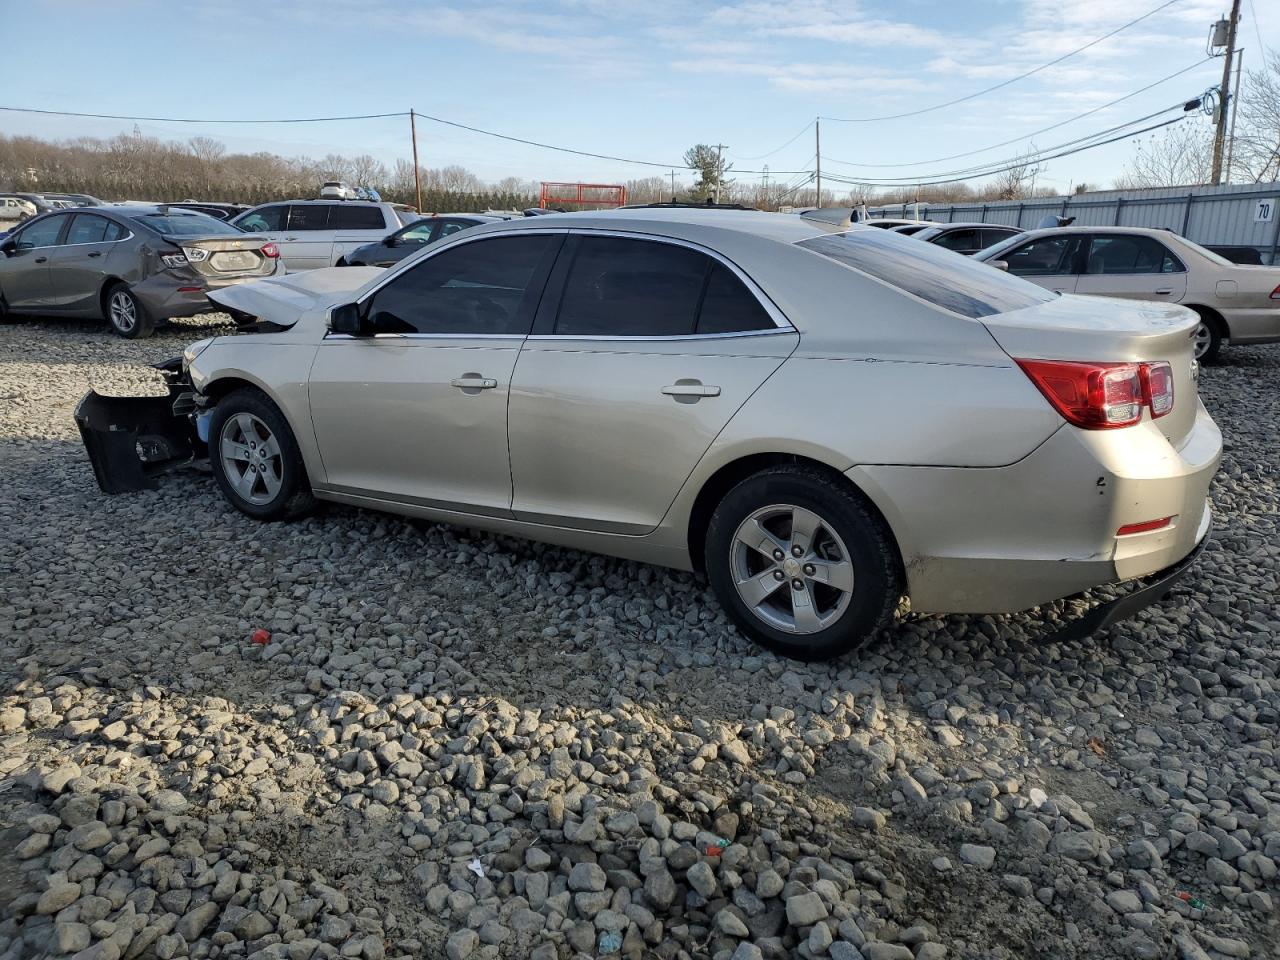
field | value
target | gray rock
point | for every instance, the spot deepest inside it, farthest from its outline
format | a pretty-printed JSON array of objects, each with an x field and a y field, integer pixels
[
  {"x": 461, "y": 944},
  {"x": 702, "y": 878},
  {"x": 587, "y": 876},
  {"x": 804, "y": 909},
  {"x": 978, "y": 856}
]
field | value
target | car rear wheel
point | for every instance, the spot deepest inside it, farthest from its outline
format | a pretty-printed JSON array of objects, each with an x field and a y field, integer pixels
[
  {"x": 802, "y": 563},
  {"x": 255, "y": 458},
  {"x": 126, "y": 314}
]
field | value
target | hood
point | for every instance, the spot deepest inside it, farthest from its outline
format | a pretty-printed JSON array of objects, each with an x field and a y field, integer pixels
[{"x": 283, "y": 300}]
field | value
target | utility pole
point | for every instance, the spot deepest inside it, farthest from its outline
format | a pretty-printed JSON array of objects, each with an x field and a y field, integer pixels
[
  {"x": 720, "y": 148},
  {"x": 817, "y": 146},
  {"x": 417, "y": 179},
  {"x": 673, "y": 186},
  {"x": 764, "y": 187},
  {"x": 1224, "y": 93},
  {"x": 1235, "y": 103}
]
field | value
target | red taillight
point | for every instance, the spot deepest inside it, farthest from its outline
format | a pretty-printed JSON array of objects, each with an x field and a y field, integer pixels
[
  {"x": 1096, "y": 396},
  {"x": 1145, "y": 527},
  {"x": 270, "y": 251},
  {"x": 1157, "y": 387},
  {"x": 1101, "y": 396},
  {"x": 1275, "y": 294}
]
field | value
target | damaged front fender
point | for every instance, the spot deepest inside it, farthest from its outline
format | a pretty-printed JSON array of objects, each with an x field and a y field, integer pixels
[{"x": 132, "y": 440}]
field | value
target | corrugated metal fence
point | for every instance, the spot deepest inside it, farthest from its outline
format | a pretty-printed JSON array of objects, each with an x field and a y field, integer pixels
[{"x": 1231, "y": 215}]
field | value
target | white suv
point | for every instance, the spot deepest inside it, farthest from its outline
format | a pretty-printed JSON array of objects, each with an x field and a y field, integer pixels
[
  {"x": 337, "y": 190},
  {"x": 319, "y": 233}
]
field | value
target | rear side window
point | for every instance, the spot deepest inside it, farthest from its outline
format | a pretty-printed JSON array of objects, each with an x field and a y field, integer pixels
[
  {"x": 487, "y": 287},
  {"x": 729, "y": 307},
  {"x": 86, "y": 228},
  {"x": 114, "y": 231},
  {"x": 966, "y": 287},
  {"x": 631, "y": 288},
  {"x": 990, "y": 237},
  {"x": 264, "y": 218},
  {"x": 966, "y": 239},
  {"x": 309, "y": 216},
  {"x": 1130, "y": 254},
  {"x": 356, "y": 217}
]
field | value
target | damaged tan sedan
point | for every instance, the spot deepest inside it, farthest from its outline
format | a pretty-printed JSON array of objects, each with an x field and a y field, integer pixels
[{"x": 823, "y": 423}]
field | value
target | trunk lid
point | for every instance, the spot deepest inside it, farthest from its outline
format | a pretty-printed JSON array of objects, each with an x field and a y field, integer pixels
[
  {"x": 283, "y": 300},
  {"x": 222, "y": 257},
  {"x": 1107, "y": 330}
]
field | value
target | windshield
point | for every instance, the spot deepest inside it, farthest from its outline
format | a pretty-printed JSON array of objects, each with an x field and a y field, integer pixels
[
  {"x": 930, "y": 272},
  {"x": 189, "y": 224}
]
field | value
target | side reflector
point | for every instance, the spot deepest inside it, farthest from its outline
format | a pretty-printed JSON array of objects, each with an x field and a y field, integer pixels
[{"x": 1145, "y": 527}]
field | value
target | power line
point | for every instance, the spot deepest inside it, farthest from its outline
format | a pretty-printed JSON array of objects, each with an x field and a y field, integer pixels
[
  {"x": 765, "y": 156},
  {"x": 1012, "y": 166},
  {"x": 1027, "y": 136},
  {"x": 1034, "y": 155},
  {"x": 118, "y": 116},
  {"x": 1004, "y": 83}
]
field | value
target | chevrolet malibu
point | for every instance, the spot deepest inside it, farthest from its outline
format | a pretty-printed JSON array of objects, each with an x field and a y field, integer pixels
[{"x": 823, "y": 423}]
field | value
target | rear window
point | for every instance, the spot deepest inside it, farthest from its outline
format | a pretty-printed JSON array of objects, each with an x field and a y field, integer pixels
[
  {"x": 955, "y": 283},
  {"x": 176, "y": 224},
  {"x": 356, "y": 217}
]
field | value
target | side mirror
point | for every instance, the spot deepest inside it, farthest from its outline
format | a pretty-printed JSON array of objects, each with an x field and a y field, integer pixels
[
  {"x": 8, "y": 246},
  {"x": 390, "y": 241},
  {"x": 999, "y": 264},
  {"x": 347, "y": 318}
]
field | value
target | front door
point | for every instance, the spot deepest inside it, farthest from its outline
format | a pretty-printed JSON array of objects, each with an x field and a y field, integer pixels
[
  {"x": 1134, "y": 266},
  {"x": 649, "y": 348},
  {"x": 24, "y": 272},
  {"x": 1050, "y": 261},
  {"x": 417, "y": 412}
]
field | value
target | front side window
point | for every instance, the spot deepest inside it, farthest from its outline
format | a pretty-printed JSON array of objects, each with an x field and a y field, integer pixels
[
  {"x": 1131, "y": 253},
  {"x": 961, "y": 285},
  {"x": 42, "y": 233},
  {"x": 87, "y": 228},
  {"x": 1043, "y": 257},
  {"x": 356, "y": 217},
  {"x": 481, "y": 288},
  {"x": 309, "y": 216},
  {"x": 418, "y": 233},
  {"x": 451, "y": 226},
  {"x": 263, "y": 219}
]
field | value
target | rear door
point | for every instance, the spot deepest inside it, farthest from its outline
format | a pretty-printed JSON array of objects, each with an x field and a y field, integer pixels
[
  {"x": 77, "y": 264},
  {"x": 308, "y": 239},
  {"x": 355, "y": 224},
  {"x": 1132, "y": 265},
  {"x": 642, "y": 351},
  {"x": 1050, "y": 261},
  {"x": 24, "y": 273}
]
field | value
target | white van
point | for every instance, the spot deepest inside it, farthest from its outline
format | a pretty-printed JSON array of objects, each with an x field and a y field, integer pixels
[{"x": 319, "y": 233}]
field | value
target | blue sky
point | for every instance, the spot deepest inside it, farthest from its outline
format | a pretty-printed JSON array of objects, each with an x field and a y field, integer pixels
[{"x": 623, "y": 77}]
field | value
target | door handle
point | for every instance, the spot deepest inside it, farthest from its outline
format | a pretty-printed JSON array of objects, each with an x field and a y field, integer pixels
[
  {"x": 96, "y": 253},
  {"x": 473, "y": 383},
  {"x": 291, "y": 238},
  {"x": 691, "y": 388},
  {"x": 1165, "y": 291},
  {"x": 42, "y": 260}
]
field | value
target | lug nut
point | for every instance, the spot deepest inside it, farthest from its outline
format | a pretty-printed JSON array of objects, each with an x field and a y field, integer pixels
[
  {"x": 797, "y": 584},
  {"x": 797, "y": 551},
  {"x": 809, "y": 569},
  {"x": 779, "y": 575},
  {"x": 778, "y": 554}
]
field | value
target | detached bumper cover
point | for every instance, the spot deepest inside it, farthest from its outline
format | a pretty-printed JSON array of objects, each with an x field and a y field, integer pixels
[
  {"x": 1155, "y": 588},
  {"x": 132, "y": 440}
]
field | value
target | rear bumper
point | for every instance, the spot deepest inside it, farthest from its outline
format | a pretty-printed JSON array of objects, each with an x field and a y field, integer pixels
[
  {"x": 1010, "y": 538},
  {"x": 166, "y": 296}
]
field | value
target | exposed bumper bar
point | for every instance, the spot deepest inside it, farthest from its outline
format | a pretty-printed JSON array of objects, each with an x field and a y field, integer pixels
[
  {"x": 1155, "y": 588},
  {"x": 131, "y": 440}
]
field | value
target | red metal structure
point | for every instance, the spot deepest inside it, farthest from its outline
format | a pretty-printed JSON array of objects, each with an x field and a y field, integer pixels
[{"x": 582, "y": 194}]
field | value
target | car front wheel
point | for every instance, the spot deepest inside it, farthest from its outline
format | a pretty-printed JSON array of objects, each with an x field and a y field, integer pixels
[
  {"x": 255, "y": 458},
  {"x": 802, "y": 563}
]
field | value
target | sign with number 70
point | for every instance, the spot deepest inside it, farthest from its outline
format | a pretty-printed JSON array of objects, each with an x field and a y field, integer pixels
[{"x": 1264, "y": 211}]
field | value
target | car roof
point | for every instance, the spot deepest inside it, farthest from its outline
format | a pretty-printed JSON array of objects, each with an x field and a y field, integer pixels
[
  {"x": 968, "y": 224},
  {"x": 1160, "y": 232},
  {"x": 688, "y": 223}
]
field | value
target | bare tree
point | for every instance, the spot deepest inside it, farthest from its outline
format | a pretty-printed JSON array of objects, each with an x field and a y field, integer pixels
[
  {"x": 1256, "y": 151},
  {"x": 207, "y": 149},
  {"x": 1019, "y": 180},
  {"x": 1177, "y": 156}
]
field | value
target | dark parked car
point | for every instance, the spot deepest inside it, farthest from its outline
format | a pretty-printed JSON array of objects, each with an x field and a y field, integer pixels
[
  {"x": 409, "y": 240},
  {"x": 76, "y": 199},
  {"x": 132, "y": 266},
  {"x": 214, "y": 208},
  {"x": 966, "y": 238}
]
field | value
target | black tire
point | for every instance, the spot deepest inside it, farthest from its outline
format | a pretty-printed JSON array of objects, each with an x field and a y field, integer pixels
[
  {"x": 125, "y": 313},
  {"x": 292, "y": 497},
  {"x": 5, "y": 315},
  {"x": 860, "y": 535},
  {"x": 1216, "y": 333}
]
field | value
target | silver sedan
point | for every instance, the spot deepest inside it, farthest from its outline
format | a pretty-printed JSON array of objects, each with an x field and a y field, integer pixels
[{"x": 822, "y": 422}]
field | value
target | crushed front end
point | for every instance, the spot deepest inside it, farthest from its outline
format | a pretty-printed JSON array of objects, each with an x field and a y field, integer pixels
[{"x": 132, "y": 440}]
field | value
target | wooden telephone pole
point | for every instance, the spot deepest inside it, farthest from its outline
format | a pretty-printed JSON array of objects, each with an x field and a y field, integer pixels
[
  {"x": 417, "y": 178},
  {"x": 1224, "y": 93}
]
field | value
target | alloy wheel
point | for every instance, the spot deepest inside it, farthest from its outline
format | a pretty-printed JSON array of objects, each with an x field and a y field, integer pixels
[
  {"x": 251, "y": 458},
  {"x": 124, "y": 311},
  {"x": 791, "y": 569},
  {"x": 1204, "y": 339}
]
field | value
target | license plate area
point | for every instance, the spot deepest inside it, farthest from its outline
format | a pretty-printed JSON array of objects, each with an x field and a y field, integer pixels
[{"x": 232, "y": 260}]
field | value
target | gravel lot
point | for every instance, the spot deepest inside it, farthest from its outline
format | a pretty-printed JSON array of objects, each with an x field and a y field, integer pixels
[{"x": 467, "y": 746}]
